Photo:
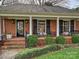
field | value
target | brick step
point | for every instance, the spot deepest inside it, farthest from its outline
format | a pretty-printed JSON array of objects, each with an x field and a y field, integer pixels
[
  {"x": 14, "y": 40},
  {"x": 12, "y": 46},
  {"x": 13, "y": 43}
]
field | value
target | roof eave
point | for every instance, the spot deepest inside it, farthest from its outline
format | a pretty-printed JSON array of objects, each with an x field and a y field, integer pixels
[{"x": 43, "y": 14}]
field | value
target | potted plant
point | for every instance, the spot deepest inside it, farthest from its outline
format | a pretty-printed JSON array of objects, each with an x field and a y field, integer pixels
[{"x": 9, "y": 35}]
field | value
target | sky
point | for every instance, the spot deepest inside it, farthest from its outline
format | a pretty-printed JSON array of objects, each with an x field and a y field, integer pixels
[{"x": 73, "y": 3}]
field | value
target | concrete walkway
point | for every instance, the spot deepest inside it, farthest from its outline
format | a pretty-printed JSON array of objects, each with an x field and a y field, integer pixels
[{"x": 8, "y": 54}]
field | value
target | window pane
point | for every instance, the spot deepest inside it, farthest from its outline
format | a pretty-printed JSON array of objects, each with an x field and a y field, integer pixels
[{"x": 66, "y": 26}]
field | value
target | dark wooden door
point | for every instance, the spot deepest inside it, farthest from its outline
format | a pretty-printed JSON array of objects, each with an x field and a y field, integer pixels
[{"x": 20, "y": 28}]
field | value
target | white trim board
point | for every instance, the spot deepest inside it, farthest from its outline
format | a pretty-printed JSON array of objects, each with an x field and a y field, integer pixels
[{"x": 77, "y": 16}]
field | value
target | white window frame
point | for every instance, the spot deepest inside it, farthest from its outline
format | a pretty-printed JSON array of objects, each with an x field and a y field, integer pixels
[
  {"x": 38, "y": 26},
  {"x": 69, "y": 28}
]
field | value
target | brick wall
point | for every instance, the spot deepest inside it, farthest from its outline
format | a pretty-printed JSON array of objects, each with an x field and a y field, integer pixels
[
  {"x": 26, "y": 26},
  {"x": 77, "y": 25},
  {"x": 10, "y": 26}
]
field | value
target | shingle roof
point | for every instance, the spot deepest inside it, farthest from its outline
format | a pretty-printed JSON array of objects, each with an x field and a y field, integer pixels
[{"x": 24, "y": 8}]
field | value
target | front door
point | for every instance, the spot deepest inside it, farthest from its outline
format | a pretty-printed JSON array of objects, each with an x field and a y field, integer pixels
[{"x": 20, "y": 28}]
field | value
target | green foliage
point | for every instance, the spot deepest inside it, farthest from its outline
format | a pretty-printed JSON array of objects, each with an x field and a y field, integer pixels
[
  {"x": 49, "y": 40},
  {"x": 68, "y": 53},
  {"x": 32, "y": 40},
  {"x": 60, "y": 40},
  {"x": 75, "y": 38},
  {"x": 34, "y": 52}
]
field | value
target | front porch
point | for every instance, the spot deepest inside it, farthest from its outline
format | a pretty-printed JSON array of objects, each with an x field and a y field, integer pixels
[
  {"x": 41, "y": 26},
  {"x": 19, "y": 27},
  {"x": 20, "y": 42}
]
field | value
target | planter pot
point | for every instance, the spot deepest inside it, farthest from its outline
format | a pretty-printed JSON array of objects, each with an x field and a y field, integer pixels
[
  {"x": 9, "y": 36},
  {"x": 69, "y": 41},
  {"x": 41, "y": 42}
]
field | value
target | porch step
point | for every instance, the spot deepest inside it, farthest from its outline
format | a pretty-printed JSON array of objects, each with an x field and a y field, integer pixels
[
  {"x": 12, "y": 47},
  {"x": 14, "y": 43}
]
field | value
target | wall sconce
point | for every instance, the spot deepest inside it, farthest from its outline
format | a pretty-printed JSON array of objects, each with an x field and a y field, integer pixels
[{"x": 13, "y": 21}]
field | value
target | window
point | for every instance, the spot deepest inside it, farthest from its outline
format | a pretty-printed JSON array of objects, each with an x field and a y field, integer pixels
[
  {"x": 66, "y": 26},
  {"x": 41, "y": 27}
]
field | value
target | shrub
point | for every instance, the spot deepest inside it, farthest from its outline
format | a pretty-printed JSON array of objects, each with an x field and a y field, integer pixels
[
  {"x": 34, "y": 52},
  {"x": 60, "y": 40},
  {"x": 75, "y": 38},
  {"x": 32, "y": 40},
  {"x": 49, "y": 40}
]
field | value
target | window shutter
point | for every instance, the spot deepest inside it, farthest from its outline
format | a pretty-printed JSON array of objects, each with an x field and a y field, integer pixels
[
  {"x": 48, "y": 26},
  {"x": 60, "y": 26},
  {"x": 72, "y": 26},
  {"x": 35, "y": 26}
]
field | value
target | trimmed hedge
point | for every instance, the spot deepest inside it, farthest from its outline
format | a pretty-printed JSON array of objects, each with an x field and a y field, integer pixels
[
  {"x": 32, "y": 40},
  {"x": 75, "y": 38},
  {"x": 49, "y": 40},
  {"x": 34, "y": 52},
  {"x": 60, "y": 40}
]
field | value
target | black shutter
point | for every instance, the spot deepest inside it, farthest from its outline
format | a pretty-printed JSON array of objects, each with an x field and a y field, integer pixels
[
  {"x": 35, "y": 26},
  {"x": 60, "y": 26},
  {"x": 48, "y": 26},
  {"x": 72, "y": 26}
]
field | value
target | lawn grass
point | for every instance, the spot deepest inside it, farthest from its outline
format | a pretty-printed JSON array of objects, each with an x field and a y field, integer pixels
[{"x": 68, "y": 53}]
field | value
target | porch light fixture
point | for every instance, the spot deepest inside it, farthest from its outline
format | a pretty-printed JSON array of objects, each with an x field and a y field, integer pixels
[
  {"x": 26, "y": 21},
  {"x": 13, "y": 21}
]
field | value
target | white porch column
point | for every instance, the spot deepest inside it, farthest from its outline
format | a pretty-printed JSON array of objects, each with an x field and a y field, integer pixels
[
  {"x": 0, "y": 29},
  {"x": 57, "y": 26},
  {"x": 4, "y": 30},
  {"x": 75, "y": 24},
  {"x": 30, "y": 25},
  {"x": 69, "y": 26}
]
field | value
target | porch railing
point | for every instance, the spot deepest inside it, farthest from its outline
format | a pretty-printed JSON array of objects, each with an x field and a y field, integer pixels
[{"x": 70, "y": 33}]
